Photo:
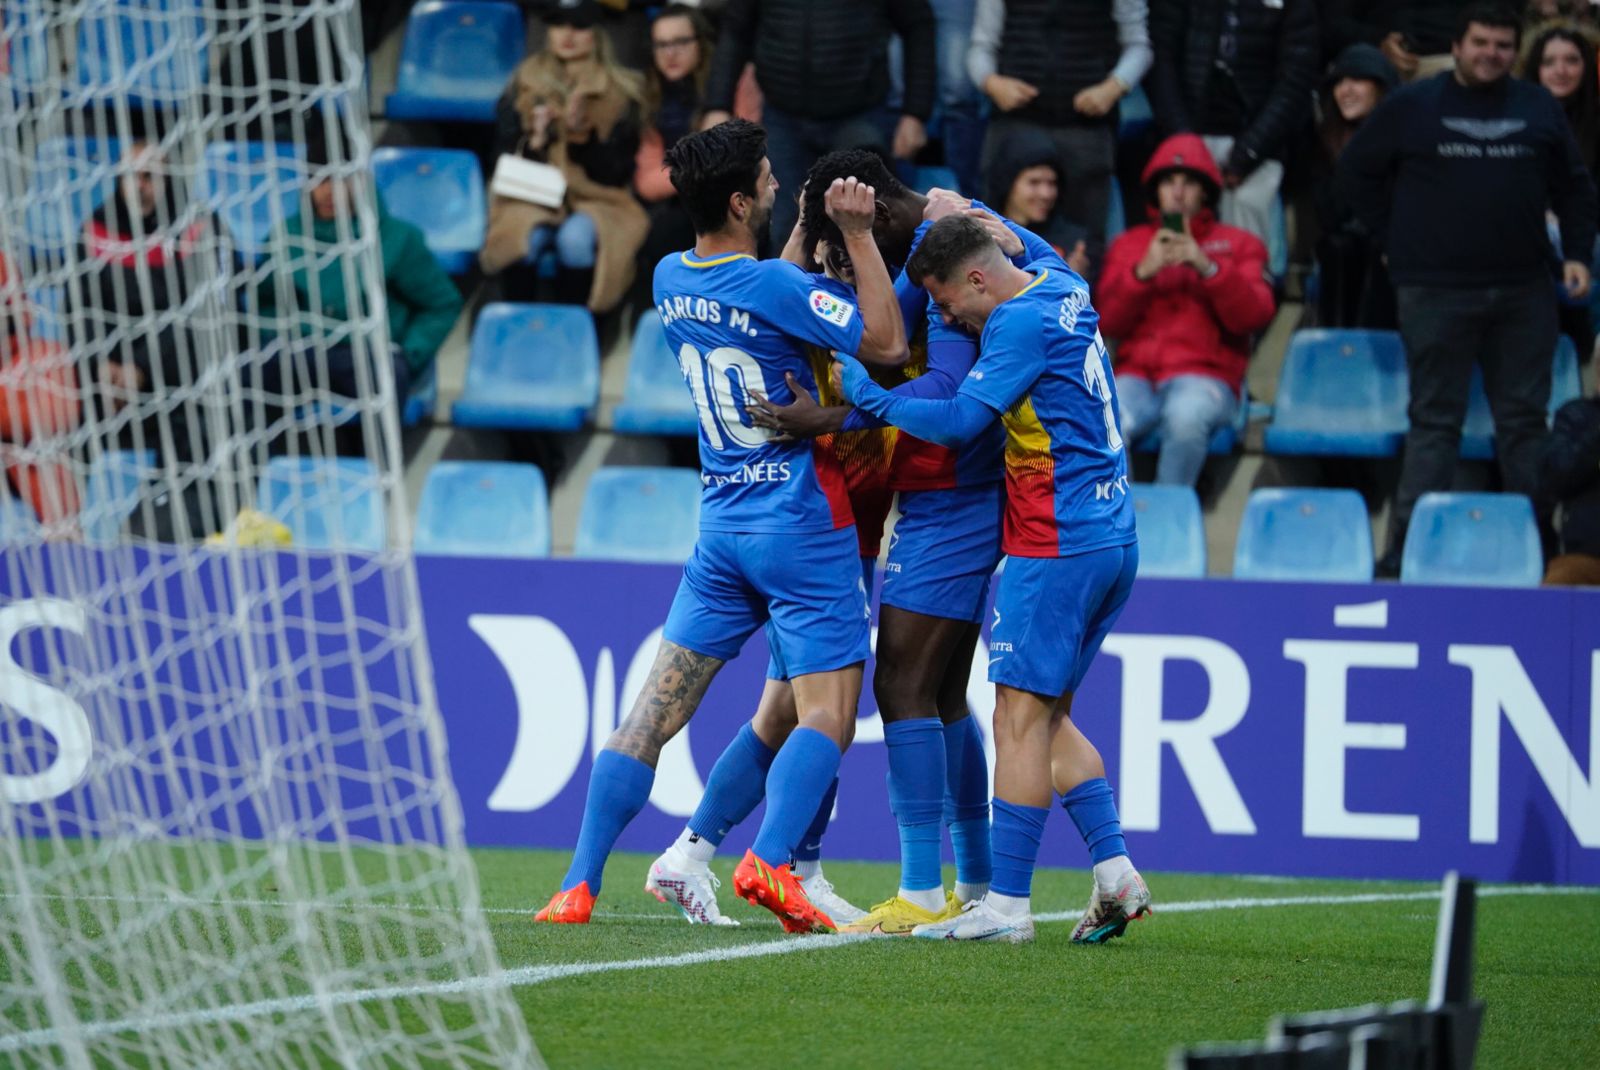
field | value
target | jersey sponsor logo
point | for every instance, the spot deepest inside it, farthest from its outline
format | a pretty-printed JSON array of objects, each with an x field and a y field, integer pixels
[
  {"x": 770, "y": 472},
  {"x": 1104, "y": 491},
  {"x": 831, "y": 308}
]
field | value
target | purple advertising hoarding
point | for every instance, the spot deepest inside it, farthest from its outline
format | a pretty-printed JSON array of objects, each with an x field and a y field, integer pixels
[{"x": 1292, "y": 729}]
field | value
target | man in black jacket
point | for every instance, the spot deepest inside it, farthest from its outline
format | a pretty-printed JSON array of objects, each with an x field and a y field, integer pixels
[
  {"x": 823, "y": 68},
  {"x": 1452, "y": 175},
  {"x": 1240, "y": 73}
]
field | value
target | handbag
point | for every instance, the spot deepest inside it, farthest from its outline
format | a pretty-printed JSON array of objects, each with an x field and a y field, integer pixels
[{"x": 528, "y": 180}]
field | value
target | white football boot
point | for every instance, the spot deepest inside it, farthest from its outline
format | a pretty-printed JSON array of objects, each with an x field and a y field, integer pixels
[
  {"x": 1109, "y": 912},
  {"x": 690, "y": 886},
  {"x": 979, "y": 921},
  {"x": 820, "y": 891}
]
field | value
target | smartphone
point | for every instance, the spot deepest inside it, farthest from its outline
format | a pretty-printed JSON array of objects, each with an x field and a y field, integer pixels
[{"x": 1172, "y": 221}]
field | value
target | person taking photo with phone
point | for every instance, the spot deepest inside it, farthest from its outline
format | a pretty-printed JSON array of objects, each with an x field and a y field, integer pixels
[{"x": 1182, "y": 297}]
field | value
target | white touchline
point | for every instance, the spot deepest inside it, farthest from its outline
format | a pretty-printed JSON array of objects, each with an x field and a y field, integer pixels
[{"x": 523, "y": 976}]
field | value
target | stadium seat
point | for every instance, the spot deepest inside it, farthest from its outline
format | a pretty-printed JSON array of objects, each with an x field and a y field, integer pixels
[
  {"x": 531, "y": 367},
  {"x": 152, "y": 51},
  {"x": 456, "y": 60},
  {"x": 484, "y": 509},
  {"x": 112, "y": 494},
  {"x": 71, "y": 178},
  {"x": 27, "y": 48},
  {"x": 328, "y": 503},
  {"x": 655, "y": 400},
  {"x": 1116, "y": 215},
  {"x": 440, "y": 191},
  {"x": 1172, "y": 536},
  {"x": 1477, "y": 434},
  {"x": 1134, "y": 115},
  {"x": 925, "y": 178},
  {"x": 640, "y": 514},
  {"x": 1479, "y": 540},
  {"x": 254, "y": 187},
  {"x": 1278, "y": 240},
  {"x": 17, "y": 522},
  {"x": 1342, "y": 393},
  {"x": 1223, "y": 439},
  {"x": 1313, "y": 535}
]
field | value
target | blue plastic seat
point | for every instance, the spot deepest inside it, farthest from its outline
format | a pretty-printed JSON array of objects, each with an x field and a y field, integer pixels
[
  {"x": 640, "y": 514},
  {"x": 1223, "y": 439},
  {"x": 254, "y": 186},
  {"x": 1477, "y": 433},
  {"x": 1116, "y": 214},
  {"x": 456, "y": 60},
  {"x": 328, "y": 503},
  {"x": 18, "y": 525},
  {"x": 1342, "y": 393},
  {"x": 655, "y": 401},
  {"x": 1172, "y": 535},
  {"x": 1277, "y": 240},
  {"x": 1304, "y": 534},
  {"x": 423, "y": 398},
  {"x": 531, "y": 367},
  {"x": 116, "y": 482},
  {"x": 1476, "y": 540},
  {"x": 484, "y": 509},
  {"x": 147, "y": 50},
  {"x": 441, "y": 192},
  {"x": 71, "y": 177},
  {"x": 1134, "y": 115},
  {"x": 25, "y": 41},
  {"x": 925, "y": 178}
]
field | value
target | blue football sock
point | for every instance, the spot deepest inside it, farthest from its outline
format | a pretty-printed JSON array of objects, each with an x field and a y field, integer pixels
[
  {"x": 1017, "y": 831},
  {"x": 1093, "y": 809},
  {"x": 809, "y": 849},
  {"x": 966, "y": 801},
  {"x": 916, "y": 797},
  {"x": 619, "y": 786},
  {"x": 799, "y": 777},
  {"x": 737, "y": 783}
]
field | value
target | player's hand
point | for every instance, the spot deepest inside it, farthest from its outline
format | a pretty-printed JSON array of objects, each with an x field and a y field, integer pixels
[
  {"x": 1009, "y": 94},
  {"x": 1003, "y": 235},
  {"x": 712, "y": 118},
  {"x": 852, "y": 376},
  {"x": 852, "y": 204},
  {"x": 1098, "y": 99},
  {"x": 943, "y": 202},
  {"x": 909, "y": 137},
  {"x": 801, "y": 418},
  {"x": 1575, "y": 279}
]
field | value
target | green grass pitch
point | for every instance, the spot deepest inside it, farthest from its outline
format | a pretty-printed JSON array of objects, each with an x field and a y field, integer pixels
[{"x": 1181, "y": 977}]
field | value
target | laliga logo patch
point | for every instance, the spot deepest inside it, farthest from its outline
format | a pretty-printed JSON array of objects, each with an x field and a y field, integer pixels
[{"x": 830, "y": 308}]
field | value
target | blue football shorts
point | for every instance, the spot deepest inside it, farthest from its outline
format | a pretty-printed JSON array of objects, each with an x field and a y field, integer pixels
[
  {"x": 777, "y": 668},
  {"x": 807, "y": 585},
  {"x": 943, "y": 551},
  {"x": 1052, "y": 613}
]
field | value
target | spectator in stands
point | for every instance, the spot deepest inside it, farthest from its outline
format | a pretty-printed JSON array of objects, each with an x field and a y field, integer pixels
[
  {"x": 1569, "y": 477},
  {"x": 1579, "y": 12},
  {"x": 571, "y": 106},
  {"x": 1181, "y": 296},
  {"x": 1562, "y": 59},
  {"x": 1025, "y": 181},
  {"x": 1452, "y": 174},
  {"x": 1059, "y": 67},
  {"x": 1417, "y": 36},
  {"x": 1240, "y": 75},
  {"x": 1355, "y": 289},
  {"x": 313, "y": 258},
  {"x": 823, "y": 70},
  {"x": 674, "y": 99},
  {"x": 38, "y": 401},
  {"x": 145, "y": 247},
  {"x": 961, "y": 119}
]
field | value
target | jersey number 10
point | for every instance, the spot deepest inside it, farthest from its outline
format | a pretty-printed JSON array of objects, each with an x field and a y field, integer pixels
[{"x": 722, "y": 382}]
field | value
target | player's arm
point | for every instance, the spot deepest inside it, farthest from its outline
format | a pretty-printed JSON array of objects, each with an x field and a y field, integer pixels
[
  {"x": 946, "y": 421},
  {"x": 853, "y": 206}
]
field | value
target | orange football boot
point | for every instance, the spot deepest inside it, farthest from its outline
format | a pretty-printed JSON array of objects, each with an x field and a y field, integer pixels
[
  {"x": 571, "y": 907},
  {"x": 778, "y": 890}
]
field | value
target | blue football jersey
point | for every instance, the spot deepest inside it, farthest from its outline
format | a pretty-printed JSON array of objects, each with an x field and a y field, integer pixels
[
  {"x": 1042, "y": 365},
  {"x": 737, "y": 325}
]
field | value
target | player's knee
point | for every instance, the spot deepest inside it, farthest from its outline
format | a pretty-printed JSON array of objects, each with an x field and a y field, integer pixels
[{"x": 900, "y": 685}]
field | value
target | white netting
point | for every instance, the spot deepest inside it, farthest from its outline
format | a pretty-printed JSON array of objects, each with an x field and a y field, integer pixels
[{"x": 228, "y": 828}]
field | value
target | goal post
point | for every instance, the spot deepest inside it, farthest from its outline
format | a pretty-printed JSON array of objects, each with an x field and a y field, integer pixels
[{"x": 228, "y": 834}]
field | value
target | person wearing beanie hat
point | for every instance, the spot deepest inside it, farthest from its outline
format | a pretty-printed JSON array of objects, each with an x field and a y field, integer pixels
[
  {"x": 1026, "y": 181},
  {"x": 1182, "y": 295},
  {"x": 1354, "y": 289}
]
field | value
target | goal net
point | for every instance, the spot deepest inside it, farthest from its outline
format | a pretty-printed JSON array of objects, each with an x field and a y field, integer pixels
[{"x": 228, "y": 835}]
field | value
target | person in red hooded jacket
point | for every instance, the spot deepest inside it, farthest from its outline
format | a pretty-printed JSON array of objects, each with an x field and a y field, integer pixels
[
  {"x": 38, "y": 402},
  {"x": 1181, "y": 297}
]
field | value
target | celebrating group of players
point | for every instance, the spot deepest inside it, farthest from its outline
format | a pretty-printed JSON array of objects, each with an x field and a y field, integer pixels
[{"x": 1000, "y": 436}]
